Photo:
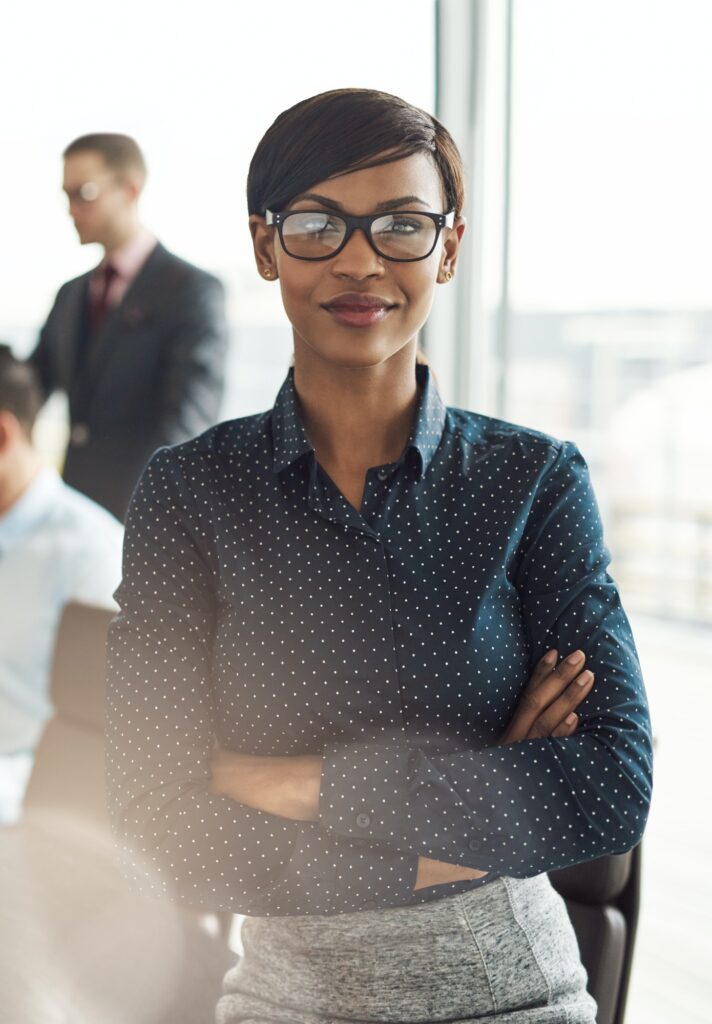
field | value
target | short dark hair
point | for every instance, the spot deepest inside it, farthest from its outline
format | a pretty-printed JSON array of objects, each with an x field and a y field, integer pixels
[
  {"x": 121, "y": 152},
  {"x": 346, "y": 130},
  {"x": 19, "y": 389}
]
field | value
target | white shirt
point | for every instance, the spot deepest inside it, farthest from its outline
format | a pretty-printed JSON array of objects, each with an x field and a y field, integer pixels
[{"x": 56, "y": 546}]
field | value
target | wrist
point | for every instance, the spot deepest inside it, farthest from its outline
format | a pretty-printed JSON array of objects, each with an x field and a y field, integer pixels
[
  {"x": 304, "y": 783},
  {"x": 438, "y": 872}
]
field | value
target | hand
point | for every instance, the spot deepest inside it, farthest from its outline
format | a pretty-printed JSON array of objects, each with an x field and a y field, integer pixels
[
  {"x": 546, "y": 706},
  {"x": 285, "y": 786}
]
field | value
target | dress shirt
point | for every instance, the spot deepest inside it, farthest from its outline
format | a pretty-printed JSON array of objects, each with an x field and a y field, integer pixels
[
  {"x": 127, "y": 261},
  {"x": 56, "y": 546},
  {"x": 260, "y": 608}
]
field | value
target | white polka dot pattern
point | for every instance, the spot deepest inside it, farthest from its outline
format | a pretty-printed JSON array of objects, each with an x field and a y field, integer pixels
[{"x": 259, "y": 607}]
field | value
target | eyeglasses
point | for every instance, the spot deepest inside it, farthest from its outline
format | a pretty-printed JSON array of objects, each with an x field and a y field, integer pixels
[
  {"x": 89, "y": 192},
  {"x": 404, "y": 236}
]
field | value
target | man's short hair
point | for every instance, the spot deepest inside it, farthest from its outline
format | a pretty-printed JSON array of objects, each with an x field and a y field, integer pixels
[
  {"x": 120, "y": 152},
  {"x": 19, "y": 389}
]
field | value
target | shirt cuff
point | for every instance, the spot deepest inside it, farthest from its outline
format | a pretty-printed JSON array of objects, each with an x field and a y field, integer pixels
[
  {"x": 331, "y": 875},
  {"x": 364, "y": 791},
  {"x": 393, "y": 795}
]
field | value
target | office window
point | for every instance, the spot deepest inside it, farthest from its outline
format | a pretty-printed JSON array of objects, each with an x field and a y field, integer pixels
[
  {"x": 609, "y": 342},
  {"x": 197, "y": 84}
]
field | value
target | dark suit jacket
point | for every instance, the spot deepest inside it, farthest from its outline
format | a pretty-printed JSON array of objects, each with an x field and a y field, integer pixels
[{"x": 152, "y": 374}]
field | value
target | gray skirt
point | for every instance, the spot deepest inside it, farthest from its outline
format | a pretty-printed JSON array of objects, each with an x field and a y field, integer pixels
[{"x": 504, "y": 953}]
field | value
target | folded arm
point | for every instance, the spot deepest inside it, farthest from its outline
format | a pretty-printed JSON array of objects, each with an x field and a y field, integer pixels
[
  {"x": 290, "y": 786},
  {"x": 543, "y": 803},
  {"x": 178, "y": 836}
]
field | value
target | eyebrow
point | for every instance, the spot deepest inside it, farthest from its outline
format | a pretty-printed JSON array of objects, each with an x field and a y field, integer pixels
[{"x": 388, "y": 204}]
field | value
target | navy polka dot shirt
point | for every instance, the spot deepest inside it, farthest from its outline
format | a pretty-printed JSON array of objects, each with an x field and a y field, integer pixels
[{"x": 259, "y": 608}]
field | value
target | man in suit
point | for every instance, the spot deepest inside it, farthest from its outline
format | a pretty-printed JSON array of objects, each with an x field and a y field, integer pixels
[{"x": 139, "y": 343}]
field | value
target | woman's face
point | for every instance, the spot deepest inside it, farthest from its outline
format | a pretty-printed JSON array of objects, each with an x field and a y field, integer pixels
[{"x": 322, "y": 298}]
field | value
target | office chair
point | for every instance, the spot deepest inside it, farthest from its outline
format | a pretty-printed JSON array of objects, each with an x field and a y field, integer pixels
[{"x": 603, "y": 898}]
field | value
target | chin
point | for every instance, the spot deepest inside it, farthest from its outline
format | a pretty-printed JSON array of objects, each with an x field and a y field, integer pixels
[
  {"x": 355, "y": 354},
  {"x": 353, "y": 348}
]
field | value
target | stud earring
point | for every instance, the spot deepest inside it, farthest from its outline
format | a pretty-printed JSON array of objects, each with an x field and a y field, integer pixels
[
  {"x": 448, "y": 275},
  {"x": 267, "y": 273}
]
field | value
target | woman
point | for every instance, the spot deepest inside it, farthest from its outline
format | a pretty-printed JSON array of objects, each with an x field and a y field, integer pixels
[{"x": 330, "y": 703}]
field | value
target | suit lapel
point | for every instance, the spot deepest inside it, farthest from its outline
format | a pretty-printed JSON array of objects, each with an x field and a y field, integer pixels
[{"x": 133, "y": 311}]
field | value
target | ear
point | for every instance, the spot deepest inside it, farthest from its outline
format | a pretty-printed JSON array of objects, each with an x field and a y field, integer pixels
[
  {"x": 133, "y": 182},
  {"x": 9, "y": 431},
  {"x": 263, "y": 244},
  {"x": 451, "y": 247}
]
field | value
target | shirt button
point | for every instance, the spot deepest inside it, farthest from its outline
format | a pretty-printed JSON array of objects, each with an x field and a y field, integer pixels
[
  {"x": 474, "y": 844},
  {"x": 383, "y": 473},
  {"x": 363, "y": 820},
  {"x": 369, "y": 905}
]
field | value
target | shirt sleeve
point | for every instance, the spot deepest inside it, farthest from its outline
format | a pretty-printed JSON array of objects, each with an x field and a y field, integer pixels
[
  {"x": 176, "y": 838},
  {"x": 536, "y": 805},
  {"x": 98, "y": 568},
  {"x": 41, "y": 359},
  {"x": 194, "y": 371}
]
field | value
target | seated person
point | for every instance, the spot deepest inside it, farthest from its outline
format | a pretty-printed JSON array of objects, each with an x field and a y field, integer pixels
[{"x": 56, "y": 546}]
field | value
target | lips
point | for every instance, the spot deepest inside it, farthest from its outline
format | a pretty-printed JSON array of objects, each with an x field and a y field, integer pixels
[{"x": 357, "y": 309}]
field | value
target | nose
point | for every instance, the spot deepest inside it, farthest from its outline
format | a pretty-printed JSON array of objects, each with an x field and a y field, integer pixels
[{"x": 358, "y": 259}]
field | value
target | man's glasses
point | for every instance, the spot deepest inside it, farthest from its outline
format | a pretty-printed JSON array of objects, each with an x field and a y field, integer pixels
[
  {"x": 403, "y": 237},
  {"x": 90, "y": 191}
]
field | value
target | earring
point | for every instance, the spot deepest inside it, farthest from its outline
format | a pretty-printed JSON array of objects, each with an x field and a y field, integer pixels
[
  {"x": 448, "y": 275},
  {"x": 267, "y": 273}
]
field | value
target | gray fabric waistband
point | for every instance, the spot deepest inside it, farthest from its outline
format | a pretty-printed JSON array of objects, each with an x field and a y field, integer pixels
[{"x": 505, "y": 953}]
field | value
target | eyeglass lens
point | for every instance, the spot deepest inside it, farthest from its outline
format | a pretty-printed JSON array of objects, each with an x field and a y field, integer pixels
[{"x": 401, "y": 236}]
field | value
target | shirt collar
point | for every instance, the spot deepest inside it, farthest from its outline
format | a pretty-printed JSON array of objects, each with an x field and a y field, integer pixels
[
  {"x": 128, "y": 258},
  {"x": 288, "y": 434},
  {"x": 290, "y": 440},
  {"x": 31, "y": 508},
  {"x": 429, "y": 420}
]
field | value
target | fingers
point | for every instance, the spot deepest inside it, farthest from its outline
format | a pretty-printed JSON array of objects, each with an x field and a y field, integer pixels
[
  {"x": 568, "y": 726},
  {"x": 547, "y": 682},
  {"x": 557, "y": 712},
  {"x": 542, "y": 668}
]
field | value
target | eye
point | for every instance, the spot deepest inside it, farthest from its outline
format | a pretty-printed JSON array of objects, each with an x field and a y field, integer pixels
[
  {"x": 312, "y": 223},
  {"x": 397, "y": 224}
]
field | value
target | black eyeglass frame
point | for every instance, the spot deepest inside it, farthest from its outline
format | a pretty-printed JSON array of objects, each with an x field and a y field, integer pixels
[{"x": 441, "y": 220}]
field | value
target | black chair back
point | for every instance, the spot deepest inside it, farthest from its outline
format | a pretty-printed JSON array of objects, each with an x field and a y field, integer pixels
[{"x": 603, "y": 899}]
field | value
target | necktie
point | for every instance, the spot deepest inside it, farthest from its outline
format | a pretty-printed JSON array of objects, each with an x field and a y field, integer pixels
[{"x": 100, "y": 303}]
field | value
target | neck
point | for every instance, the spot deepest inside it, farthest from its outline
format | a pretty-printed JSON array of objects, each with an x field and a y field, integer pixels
[
  {"x": 122, "y": 233},
  {"x": 15, "y": 482},
  {"x": 357, "y": 417}
]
